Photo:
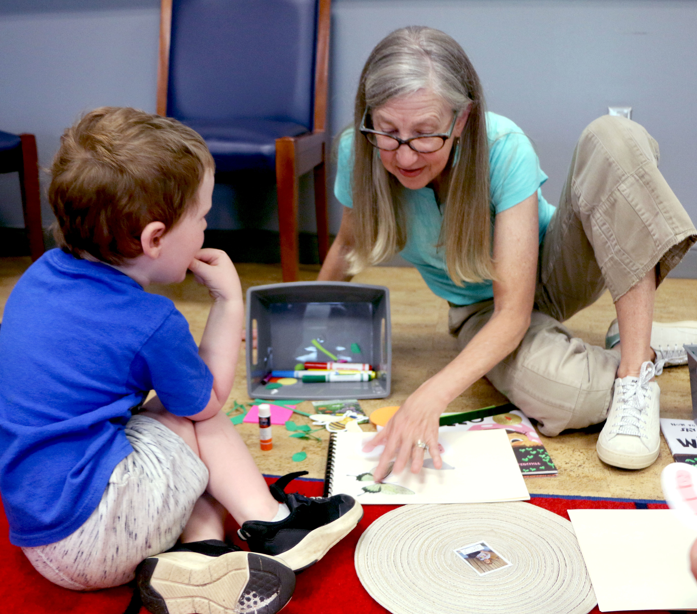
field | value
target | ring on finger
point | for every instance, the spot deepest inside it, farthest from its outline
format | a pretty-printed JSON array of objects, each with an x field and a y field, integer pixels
[{"x": 421, "y": 444}]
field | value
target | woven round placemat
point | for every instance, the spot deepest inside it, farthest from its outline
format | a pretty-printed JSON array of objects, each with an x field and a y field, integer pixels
[{"x": 406, "y": 561}]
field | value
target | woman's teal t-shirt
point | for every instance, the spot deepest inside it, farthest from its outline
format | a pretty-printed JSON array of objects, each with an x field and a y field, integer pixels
[{"x": 515, "y": 174}]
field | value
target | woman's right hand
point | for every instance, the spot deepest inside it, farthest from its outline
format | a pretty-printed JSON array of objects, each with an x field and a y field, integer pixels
[{"x": 417, "y": 420}]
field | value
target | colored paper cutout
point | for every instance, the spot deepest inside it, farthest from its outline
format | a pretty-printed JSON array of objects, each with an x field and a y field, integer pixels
[
  {"x": 298, "y": 457},
  {"x": 279, "y": 415},
  {"x": 380, "y": 417},
  {"x": 321, "y": 349},
  {"x": 273, "y": 386},
  {"x": 287, "y": 381},
  {"x": 355, "y": 348},
  {"x": 282, "y": 402}
]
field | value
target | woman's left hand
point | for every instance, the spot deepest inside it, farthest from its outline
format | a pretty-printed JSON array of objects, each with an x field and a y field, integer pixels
[{"x": 417, "y": 420}]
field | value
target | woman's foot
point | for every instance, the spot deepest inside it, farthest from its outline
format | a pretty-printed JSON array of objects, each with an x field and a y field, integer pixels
[
  {"x": 667, "y": 340},
  {"x": 630, "y": 438}
]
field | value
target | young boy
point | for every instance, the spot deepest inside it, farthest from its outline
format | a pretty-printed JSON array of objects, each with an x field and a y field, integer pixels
[{"x": 95, "y": 481}]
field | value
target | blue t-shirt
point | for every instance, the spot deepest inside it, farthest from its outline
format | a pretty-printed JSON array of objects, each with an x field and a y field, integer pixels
[
  {"x": 515, "y": 174},
  {"x": 80, "y": 345}
]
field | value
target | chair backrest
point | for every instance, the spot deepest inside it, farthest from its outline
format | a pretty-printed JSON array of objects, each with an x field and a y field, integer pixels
[{"x": 226, "y": 59}]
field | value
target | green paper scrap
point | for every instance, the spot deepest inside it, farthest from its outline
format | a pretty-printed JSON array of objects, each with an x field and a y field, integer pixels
[
  {"x": 298, "y": 457},
  {"x": 321, "y": 349},
  {"x": 302, "y": 431},
  {"x": 273, "y": 386},
  {"x": 281, "y": 402},
  {"x": 355, "y": 348},
  {"x": 238, "y": 419},
  {"x": 299, "y": 366}
]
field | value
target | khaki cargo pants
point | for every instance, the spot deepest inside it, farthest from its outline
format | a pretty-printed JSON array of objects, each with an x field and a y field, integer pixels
[{"x": 617, "y": 220}]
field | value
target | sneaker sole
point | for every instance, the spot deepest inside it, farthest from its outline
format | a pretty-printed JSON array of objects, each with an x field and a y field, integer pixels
[
  {"x": 318, "y": 542},
  {"x": 626, "y": 461},
  {"x": 187, "y": 582},
  {"x": 684, "y": 324}
]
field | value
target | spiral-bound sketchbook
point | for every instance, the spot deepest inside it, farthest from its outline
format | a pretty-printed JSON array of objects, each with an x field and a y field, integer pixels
[{"x": 478, "y": 467}]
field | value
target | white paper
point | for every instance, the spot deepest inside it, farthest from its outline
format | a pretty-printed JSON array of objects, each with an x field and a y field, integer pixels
[
  {"x": 478, "y": 467},
  {"x": 637, "y": 559}
]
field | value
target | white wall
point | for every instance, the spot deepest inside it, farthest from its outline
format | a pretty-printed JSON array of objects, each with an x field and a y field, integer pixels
[{"x": 550, "y": 65}]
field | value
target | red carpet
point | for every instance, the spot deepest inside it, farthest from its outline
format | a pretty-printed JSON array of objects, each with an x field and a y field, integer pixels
[{"x": 331, "y": 586}]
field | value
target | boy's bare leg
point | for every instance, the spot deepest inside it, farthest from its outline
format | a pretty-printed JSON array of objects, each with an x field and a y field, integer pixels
[
  {"x": 207, "y": 521},
  {"x": 235, "y": 480}
]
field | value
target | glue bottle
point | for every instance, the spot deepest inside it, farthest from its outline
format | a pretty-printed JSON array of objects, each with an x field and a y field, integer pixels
[{"x": 265, "y": 435}]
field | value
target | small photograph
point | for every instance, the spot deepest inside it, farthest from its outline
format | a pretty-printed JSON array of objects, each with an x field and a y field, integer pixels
[{"x": 482, "y": 558}]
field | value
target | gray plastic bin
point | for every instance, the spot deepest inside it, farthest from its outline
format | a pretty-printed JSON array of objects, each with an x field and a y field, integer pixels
[
  {"x": 336, "y": 315},
  {"x": 692, "y": 366}
]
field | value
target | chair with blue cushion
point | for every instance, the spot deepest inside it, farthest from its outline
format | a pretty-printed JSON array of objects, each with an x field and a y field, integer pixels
[
  {"x": 250, "y": 76},
  {"x": 18, "y": 155}
]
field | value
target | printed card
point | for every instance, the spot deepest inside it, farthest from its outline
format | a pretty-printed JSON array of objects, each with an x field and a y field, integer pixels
[{"x": 482, "y": 558}]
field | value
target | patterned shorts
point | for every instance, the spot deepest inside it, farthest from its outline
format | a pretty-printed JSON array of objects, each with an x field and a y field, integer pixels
[{"x": 143, "y": 511}]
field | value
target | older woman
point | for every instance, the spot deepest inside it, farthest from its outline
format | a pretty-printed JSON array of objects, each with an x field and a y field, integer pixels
[{"x": 427, "y": 172}]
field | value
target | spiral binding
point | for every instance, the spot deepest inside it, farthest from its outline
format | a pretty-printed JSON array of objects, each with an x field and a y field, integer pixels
[{"x": 329, "y": 472}]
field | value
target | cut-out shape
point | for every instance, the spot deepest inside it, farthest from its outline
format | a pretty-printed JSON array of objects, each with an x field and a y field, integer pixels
[
  {"x": 279, "y": 415},
  {"x": 321, "y": 349},
  {"x": 298, "y": 457},
  {"x": 282, "y": 402},
  {"x": 355, "y": 348},
  {"x": 380, "y": 417},
  {"x": 287, "y": 381}
]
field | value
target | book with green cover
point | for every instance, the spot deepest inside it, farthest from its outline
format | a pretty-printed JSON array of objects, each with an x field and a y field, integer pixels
[{"x": 531, "y": 454}]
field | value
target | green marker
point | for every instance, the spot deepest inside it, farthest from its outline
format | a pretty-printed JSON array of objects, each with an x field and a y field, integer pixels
[{"x": 317, "y": 378}]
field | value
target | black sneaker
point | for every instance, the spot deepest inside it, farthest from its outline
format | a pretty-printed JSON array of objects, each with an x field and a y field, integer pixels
[
  {"x": 212, "y": 577},
  {"x": 313, "y": 527}
]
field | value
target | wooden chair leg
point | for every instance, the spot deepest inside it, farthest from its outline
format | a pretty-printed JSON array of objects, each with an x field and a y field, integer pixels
[
  {"x": 320, "y": 176},
  {"x": 31, "y": 195},
  {"x": 287, "y": 188}
]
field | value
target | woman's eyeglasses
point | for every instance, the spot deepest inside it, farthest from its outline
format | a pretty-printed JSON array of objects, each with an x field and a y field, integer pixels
[{"x": 427, "y": 143}]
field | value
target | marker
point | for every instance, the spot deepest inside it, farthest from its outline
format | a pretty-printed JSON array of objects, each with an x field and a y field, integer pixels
[
  {"x": 339, "y": 366},
  {"x": 265, "y": 433},
  {"x": 314, "y": 372},
  {"x": 318, "y": 377}
]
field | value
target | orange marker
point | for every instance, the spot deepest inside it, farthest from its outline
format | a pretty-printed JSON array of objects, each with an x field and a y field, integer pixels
[{"x": 265, "y": 433}]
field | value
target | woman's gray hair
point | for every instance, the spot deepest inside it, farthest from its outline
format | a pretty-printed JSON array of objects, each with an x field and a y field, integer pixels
[
  {"x": 406, "y": 61},
  {"x": 415, "y": 58}
]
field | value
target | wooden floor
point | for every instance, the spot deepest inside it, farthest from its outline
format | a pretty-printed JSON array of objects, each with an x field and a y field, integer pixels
[{"x": 420, "y": 347}]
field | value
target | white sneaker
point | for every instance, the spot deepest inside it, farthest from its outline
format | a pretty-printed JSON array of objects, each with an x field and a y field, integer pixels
[
  {"x": 667, "y": 340},
  {"x": 630, "y": 438}
]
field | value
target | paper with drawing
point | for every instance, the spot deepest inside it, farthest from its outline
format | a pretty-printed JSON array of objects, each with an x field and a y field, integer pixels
[{"x": 478, "y": 467}]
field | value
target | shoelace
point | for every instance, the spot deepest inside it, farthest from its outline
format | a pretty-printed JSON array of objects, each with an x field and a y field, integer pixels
[
  {"x": 667, "y": 355},
  {"x": 634, "y": 396}
]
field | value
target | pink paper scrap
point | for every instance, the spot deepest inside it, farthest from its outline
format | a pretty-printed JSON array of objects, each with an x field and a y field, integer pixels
[{"x": 279, "y": 415}]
